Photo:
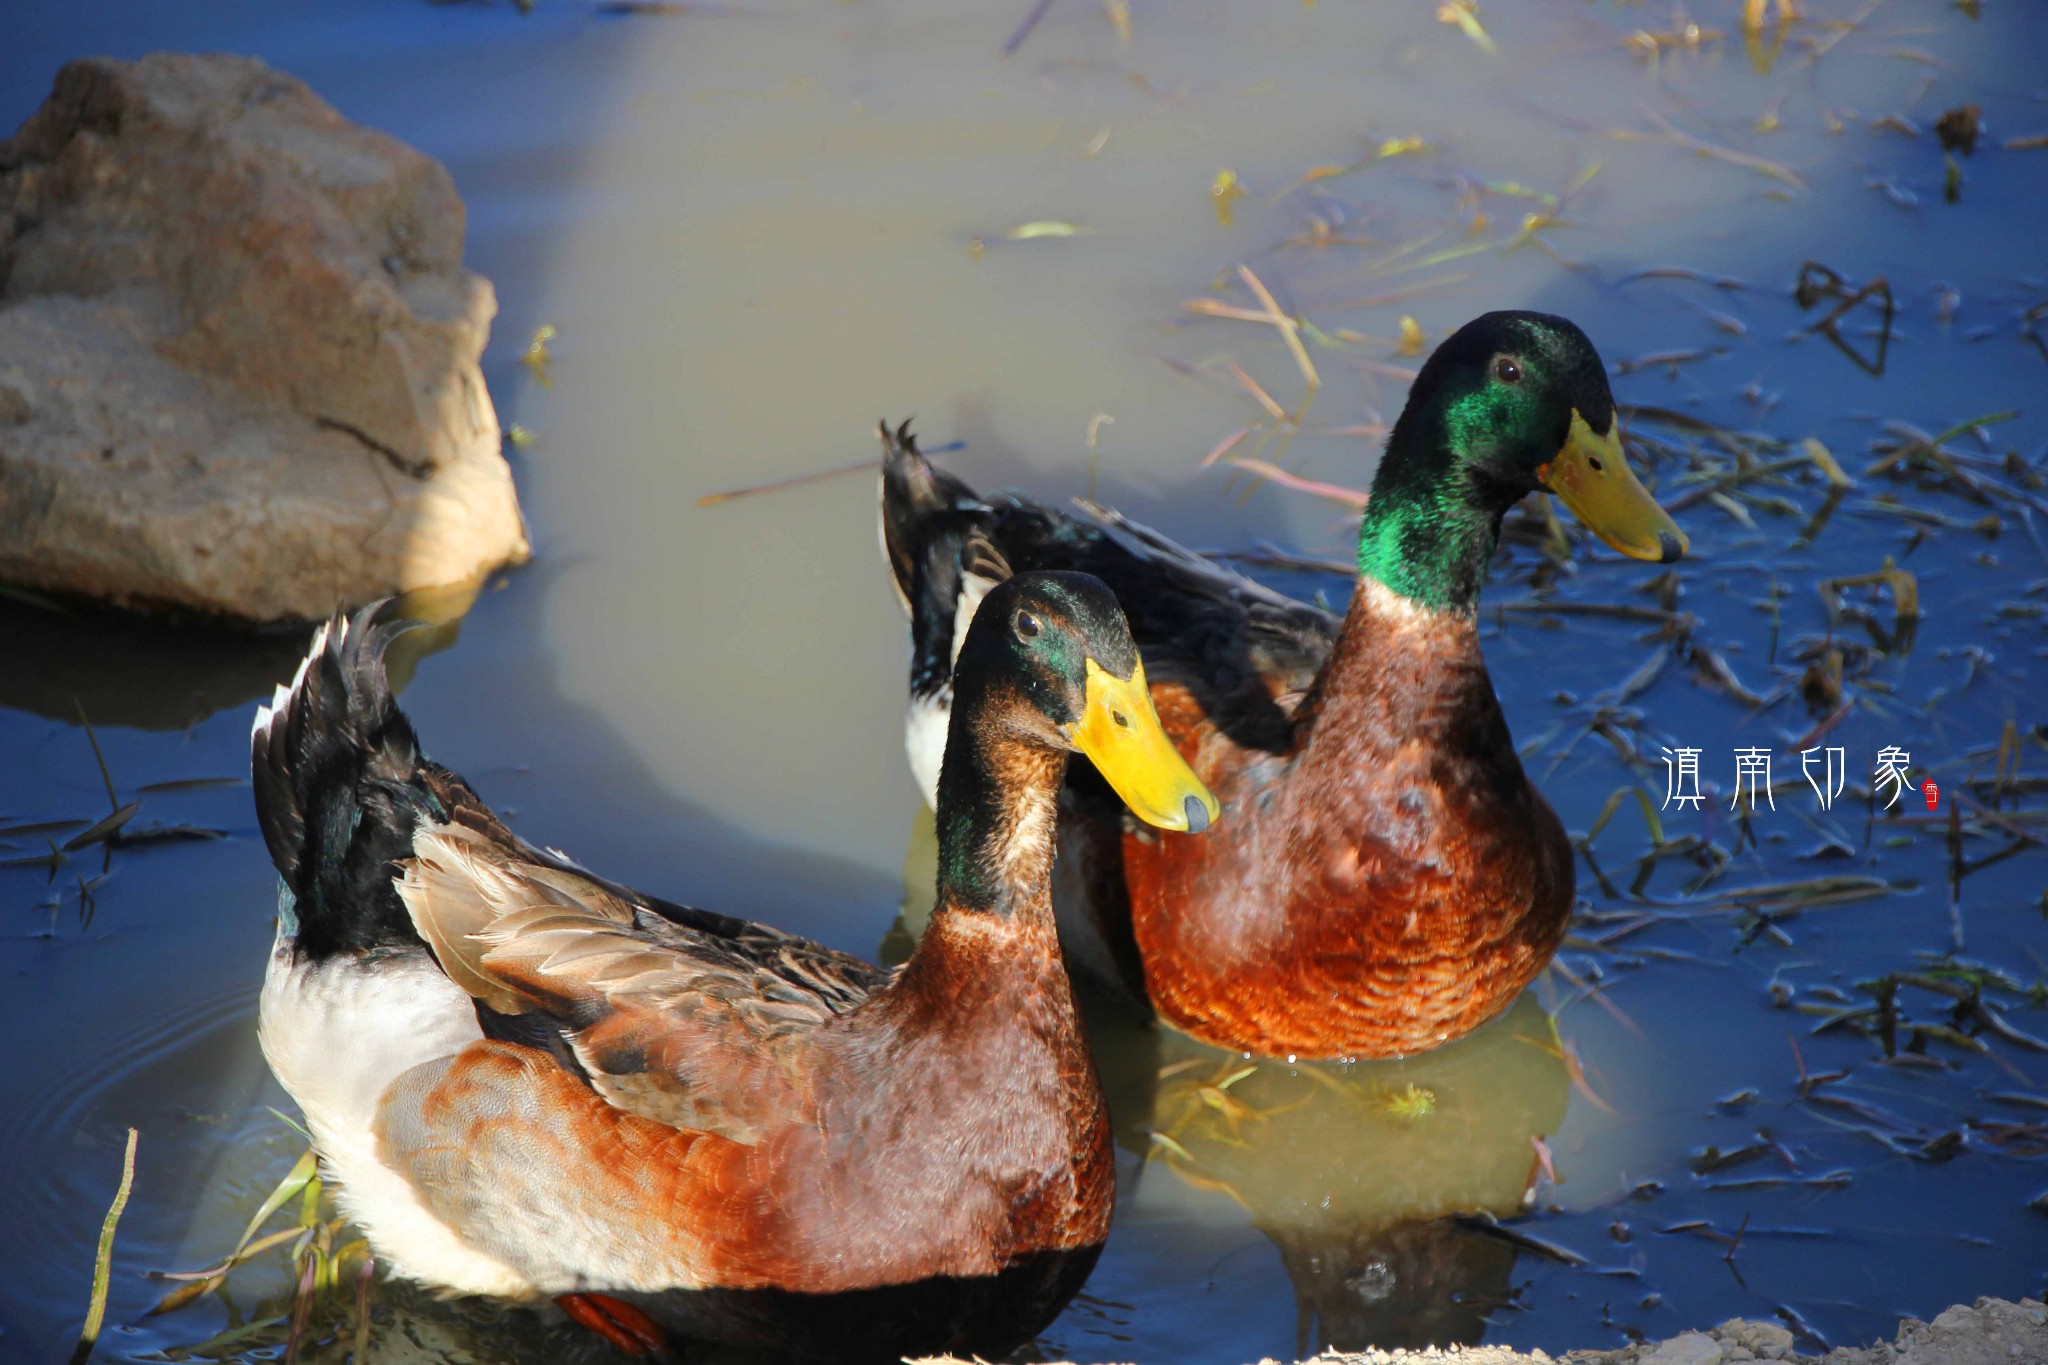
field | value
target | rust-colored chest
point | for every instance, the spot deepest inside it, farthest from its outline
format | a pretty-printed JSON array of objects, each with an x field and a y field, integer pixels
[{"x": 1386, "y": 885}]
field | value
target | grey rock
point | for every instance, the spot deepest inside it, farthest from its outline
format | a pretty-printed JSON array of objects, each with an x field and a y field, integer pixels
[
  {"x": 1763, "y": 1340},
  {"x": 238, "y": 351},
  {"x": 1990, "y": 1332},
  {"x": 1993, "y": 1332},
  {"x": 1688, "y": 1348}
]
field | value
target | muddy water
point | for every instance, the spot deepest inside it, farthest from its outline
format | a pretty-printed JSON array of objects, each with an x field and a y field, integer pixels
[{"x": 756, "y": 229}]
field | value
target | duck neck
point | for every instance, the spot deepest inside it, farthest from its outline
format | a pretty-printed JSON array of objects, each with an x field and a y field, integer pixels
[
  {"x": 1404, "y": 669},
  {"x": 1431, "y": 525},
  {"x": 998, "y": 804},
  {"x": 992, "y": 933}
]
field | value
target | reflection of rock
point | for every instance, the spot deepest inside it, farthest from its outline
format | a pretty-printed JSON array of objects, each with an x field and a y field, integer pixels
[
  {"x": 122, "y": 669},
  {"x": 238, "y": 351}
]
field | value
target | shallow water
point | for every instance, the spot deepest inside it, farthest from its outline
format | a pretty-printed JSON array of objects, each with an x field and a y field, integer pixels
[{"x": 757, "y": 229}]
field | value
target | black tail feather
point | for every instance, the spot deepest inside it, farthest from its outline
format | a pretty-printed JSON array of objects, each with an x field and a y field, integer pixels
[
  {"x": 339, "y": 784},
  {"x": 935, "y": 529},
  {"x": 919, "y": 501}
]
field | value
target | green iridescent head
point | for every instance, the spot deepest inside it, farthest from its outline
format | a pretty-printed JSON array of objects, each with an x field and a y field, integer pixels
[{"x": 1511, "y": 402}]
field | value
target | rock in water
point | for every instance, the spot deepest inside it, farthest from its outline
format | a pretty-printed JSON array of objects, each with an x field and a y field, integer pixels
[{"x": 238, "y": 351}]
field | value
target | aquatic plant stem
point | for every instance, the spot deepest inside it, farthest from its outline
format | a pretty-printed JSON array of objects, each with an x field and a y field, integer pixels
[{"x": 103, "y": 1262}]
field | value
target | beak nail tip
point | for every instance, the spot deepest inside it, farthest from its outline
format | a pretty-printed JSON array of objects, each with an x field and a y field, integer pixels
[
  {"x": 1672, "y": 548},
  {"x": 1197, "y": 814}
]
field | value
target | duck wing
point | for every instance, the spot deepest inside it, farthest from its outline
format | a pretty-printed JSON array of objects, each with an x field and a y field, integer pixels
[
  {"x": 693, "y": 1020},
  {"x": 1207, "y": 626},
  {"x": 1233, "y": 643}
]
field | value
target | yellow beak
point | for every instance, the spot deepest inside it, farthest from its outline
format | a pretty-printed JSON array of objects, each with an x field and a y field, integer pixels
[
  {"x": 1595, "y": 481},
  {"x": 1121, "y": 734}
]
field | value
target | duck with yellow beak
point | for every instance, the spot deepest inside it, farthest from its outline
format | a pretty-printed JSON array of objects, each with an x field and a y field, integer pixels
[
  {"x": 532, "y": 1083},
  {"x": 1385, "y": 877}
]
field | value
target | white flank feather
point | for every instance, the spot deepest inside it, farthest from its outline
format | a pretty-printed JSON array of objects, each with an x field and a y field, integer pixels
[{"x": 337, "y": 1034}]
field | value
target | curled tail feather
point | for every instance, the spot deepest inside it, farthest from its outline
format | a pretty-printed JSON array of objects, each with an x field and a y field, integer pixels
[
  {"x": 918, "y": 502},
  {"x": 338, "y": 779}
]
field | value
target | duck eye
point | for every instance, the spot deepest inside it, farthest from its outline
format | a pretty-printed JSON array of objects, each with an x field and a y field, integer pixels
[
  {"x": 1506, "y": 370},
  {"x": 1122, "y": 720},
  {"x": 1027, "y": 625}
]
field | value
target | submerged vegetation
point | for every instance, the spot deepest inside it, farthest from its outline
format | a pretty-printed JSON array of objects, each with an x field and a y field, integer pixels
[{"x": 1841, "y": 608}]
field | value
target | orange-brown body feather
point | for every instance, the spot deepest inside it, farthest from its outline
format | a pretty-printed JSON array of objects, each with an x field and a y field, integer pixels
[
  {"x": 1388, "y": 882},
  {"x": 973, "y": 1154},
  {"x": 529, "y": 1081}
]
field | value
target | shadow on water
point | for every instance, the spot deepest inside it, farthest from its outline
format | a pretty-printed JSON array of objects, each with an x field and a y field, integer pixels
[{"x": 60, "y": 661}]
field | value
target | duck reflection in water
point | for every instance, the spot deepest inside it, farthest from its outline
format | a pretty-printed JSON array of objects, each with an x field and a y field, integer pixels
[
  {"x": 1358, "y": 1172},
  {"x": 1355, "y": 1171}
]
